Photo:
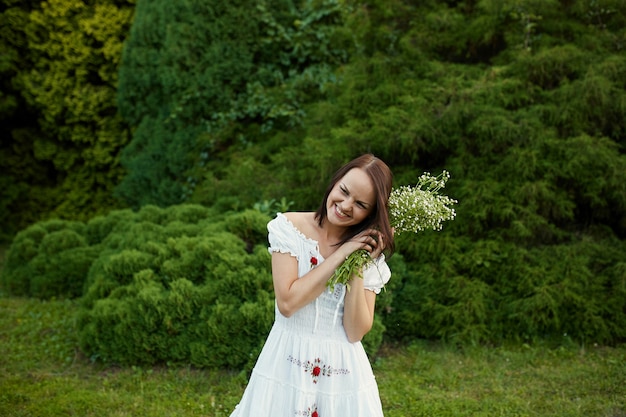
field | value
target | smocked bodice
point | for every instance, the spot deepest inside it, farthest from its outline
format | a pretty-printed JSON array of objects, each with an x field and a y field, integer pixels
[{"x": 323, "y": 316}]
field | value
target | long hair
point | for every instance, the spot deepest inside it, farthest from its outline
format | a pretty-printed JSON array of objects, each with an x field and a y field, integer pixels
[{"x": 382, "y": 178}]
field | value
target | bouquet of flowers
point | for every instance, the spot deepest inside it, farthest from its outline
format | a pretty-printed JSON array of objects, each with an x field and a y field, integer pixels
[{"x": 411, "y": 209}]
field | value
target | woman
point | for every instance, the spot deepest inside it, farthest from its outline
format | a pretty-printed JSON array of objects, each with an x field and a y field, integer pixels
[{"x": 313, "y": 363}]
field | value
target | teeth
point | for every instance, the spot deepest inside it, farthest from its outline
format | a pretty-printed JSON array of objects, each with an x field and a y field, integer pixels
[{"x": 341, "y": 212}]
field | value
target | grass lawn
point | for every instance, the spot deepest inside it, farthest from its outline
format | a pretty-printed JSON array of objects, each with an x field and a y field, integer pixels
[{"x": 42, "y": 374}]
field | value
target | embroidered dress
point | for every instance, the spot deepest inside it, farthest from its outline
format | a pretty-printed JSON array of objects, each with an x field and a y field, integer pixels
[{"x": 307, "y": 366}]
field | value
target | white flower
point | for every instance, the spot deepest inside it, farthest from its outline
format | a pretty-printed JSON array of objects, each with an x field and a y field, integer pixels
[{"x": 414, "y": 209}]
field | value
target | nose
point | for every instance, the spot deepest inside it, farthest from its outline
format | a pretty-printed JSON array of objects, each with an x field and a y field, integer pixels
[{"x": 346, "y": 205}]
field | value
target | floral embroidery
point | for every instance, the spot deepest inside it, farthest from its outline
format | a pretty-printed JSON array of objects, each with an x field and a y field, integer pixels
[
  {"x": 309, "y": 412},
  {"x": 317, "y": 368},
  {"x": 313, "y": 261}
]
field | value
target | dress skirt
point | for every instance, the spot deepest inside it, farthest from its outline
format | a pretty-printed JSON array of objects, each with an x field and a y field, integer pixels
[{"x": 310, "y": 372}]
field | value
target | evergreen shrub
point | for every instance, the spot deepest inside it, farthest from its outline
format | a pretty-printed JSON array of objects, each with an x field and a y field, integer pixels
[
  {"x": 204, "y": 76},
  {"x": 61, "y": 132},
  {"x": 491, "y": 291},
  {"x": 185, "y": 284},
  {"x": 48, "y": 259},
  {"x": 180, "y": 285}
]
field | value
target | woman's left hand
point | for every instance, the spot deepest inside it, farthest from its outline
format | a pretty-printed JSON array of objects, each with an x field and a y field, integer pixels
[{"x": 380, "y": 245}]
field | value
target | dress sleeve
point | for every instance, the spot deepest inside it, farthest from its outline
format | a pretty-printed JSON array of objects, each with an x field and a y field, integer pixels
[
  {"x": 376, "y": 275},
  {"x": 280, "y": 236}
]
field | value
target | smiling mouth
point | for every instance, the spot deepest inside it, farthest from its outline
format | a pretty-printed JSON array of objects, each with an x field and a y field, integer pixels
[{"x": 340, "y": 212}]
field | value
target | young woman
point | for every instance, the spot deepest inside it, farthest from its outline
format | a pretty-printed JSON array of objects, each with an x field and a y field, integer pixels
[{"x": 313, "y": 363}]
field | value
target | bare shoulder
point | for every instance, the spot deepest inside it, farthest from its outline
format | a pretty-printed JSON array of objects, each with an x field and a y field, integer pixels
[{"x": 303, "y": 221}]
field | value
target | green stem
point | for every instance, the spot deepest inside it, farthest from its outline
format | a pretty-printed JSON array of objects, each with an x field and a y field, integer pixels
[{"x": 353, "y": 265}]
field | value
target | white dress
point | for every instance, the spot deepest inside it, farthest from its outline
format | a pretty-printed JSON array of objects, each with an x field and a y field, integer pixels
[{"x": 307, "y": 366}]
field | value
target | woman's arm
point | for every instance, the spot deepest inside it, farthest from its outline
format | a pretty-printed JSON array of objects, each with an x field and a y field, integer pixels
[
  {"x": 358, "y": 313},
  {"x": 292, "y": 293}
]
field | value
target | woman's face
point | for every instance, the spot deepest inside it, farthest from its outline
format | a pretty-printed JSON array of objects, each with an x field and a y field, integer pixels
[{"x": 351, "y": 200}]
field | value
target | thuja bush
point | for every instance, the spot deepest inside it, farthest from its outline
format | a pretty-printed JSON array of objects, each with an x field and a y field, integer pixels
[
  {"x": 48, "y": 259},
  {"x": 157, "y": 285},
  {"x": 200, "y": 77},
  {"x": 61, "y": 132},
  {"x": 493, "y": 290},
  {"x": 179, "y": 285}
]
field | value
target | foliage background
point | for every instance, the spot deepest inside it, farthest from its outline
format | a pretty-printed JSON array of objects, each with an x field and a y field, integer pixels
[
  {"x": 61, "y": 131},
  {"x": 228, "y": 105}
]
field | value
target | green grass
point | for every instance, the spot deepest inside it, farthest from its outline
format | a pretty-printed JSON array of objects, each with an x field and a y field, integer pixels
[{"x": 43, "y": 374}]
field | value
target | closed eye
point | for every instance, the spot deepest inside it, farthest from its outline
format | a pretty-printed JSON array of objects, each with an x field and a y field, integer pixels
[{"x": 361, "y": 204}]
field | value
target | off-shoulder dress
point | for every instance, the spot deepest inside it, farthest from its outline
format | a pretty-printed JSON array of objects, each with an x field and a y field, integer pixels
[{"x": 307, "y": 366}]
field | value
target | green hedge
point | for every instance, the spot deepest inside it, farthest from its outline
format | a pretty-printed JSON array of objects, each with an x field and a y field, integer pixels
[{"x": 493, "y": 291}]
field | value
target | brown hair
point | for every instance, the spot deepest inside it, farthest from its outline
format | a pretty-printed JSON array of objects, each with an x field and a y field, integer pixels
[{"x": 381, "y": 177}]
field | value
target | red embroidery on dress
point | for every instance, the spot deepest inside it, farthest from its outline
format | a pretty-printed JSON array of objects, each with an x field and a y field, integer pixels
[
  {"x": 313, "y": 261},
  {"x": 317, "y": 368},
  {"x": 309, "y": 412}
]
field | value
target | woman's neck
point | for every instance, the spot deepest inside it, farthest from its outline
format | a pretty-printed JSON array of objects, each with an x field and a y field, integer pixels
[{"x": 329, "y": 234}]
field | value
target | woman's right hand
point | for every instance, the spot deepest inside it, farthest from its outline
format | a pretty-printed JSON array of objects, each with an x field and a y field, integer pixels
[{"x": 371, "y": 240}]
